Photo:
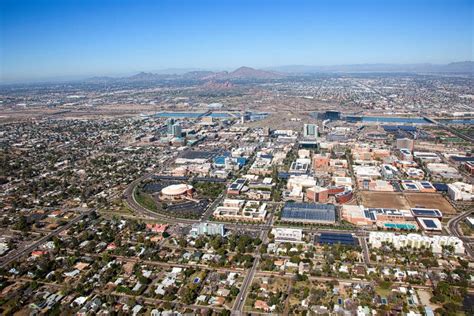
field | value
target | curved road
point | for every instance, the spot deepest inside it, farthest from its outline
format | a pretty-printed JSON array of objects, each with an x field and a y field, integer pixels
[{"x": 453, "y": 227}]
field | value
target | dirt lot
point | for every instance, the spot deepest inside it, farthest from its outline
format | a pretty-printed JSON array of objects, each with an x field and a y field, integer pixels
[
  {"x": 384, "y": 199},
  {"x": 430, "y": 200},
  {"x": 406, "y": 201}
]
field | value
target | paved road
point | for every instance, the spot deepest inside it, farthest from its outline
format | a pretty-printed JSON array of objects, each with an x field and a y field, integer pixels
[
  {"x": 137, "y": 208},
  {"x": 21, "y": 252},
  {"x": 240, "y": 299},
  {"x": 365, "y": 249},
  {"x": 211, "y": 208},
  {"x": 453, "y": 227}
]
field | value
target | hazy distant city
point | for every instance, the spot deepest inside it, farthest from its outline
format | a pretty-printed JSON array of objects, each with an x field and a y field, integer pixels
[{"x": 272, "y": 190}]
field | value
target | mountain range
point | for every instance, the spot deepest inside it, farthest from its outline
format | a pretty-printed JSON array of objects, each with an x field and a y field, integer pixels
[
  {"x": 272, "y": 73},
  {"x": 240, "y": 73}
]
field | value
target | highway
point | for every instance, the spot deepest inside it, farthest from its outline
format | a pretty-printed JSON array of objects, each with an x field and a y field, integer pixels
[{"x": 21, "y": 252}]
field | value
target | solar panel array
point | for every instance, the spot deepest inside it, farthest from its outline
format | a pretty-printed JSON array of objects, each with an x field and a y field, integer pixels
[
  {"x": 441, "y": 187},
  {"x": 426, "y": 212},
  {"x": 426, "y": 185},
  {"x": 429, "y": 223},
  {"x": 309, "y": 212},
  {"x": 344, "y": 239},
  {"x": 237, "y": 184},
  {"x": 370, "y": 215},
  {"x": 462, "y": 159}
]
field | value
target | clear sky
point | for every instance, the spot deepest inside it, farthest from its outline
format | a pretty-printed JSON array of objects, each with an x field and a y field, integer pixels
[{"x": 61, "y": 38}]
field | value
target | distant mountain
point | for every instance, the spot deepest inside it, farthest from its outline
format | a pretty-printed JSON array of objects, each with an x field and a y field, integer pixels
[
  {"x": 213, "y": 85},
  {"x": 144, "y": 76},
  {"x": 211, "y": 76},
  {"x": 201, "y": 74},
  {"x": 176, "y": 71},
  {"x": 456, "y": 67},
  {"x": 462, "y": 66},
  {"x": 245, "y": 73}
]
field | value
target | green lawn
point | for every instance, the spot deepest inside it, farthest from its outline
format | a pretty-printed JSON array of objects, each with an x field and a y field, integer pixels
[
  {"x": 382, "y": 292},
  {"x": 145, "y": 200}
]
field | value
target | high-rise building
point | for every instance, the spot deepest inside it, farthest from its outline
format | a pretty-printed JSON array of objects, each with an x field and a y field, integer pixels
[
  {"x": 176, "y": 130},
  {"x": 310, "y": 131},
  {"x": 169, "y": 126}
]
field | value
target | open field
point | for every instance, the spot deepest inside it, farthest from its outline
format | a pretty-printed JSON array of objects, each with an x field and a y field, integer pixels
[
  {"x": 406, "y": 201},
  {"x": 430, "y": 200},
  {"x": 384, "y": 199}
]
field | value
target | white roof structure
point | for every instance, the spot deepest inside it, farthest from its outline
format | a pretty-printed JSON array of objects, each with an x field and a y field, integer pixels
[
  {"x": 416, "y": 241},
  {"x": 176, "y": 189}
]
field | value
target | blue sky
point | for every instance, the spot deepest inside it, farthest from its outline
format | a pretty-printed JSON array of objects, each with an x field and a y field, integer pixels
[{"x": 67, "y": 38}]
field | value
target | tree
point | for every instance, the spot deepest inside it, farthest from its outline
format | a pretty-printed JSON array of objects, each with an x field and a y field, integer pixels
[
  {"x": 234, "y": 291},
  {"x": 22, "y": 223}
]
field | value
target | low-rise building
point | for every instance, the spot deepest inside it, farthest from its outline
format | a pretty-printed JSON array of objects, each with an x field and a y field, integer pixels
[
  {"x": 287, "y": 234},
  {"x": 309, "y": 213},
  {"x": 460, "y": 191},
  {"x": 207, "y": 229},
  {"x": 241, "y": 210},
  {"x": 416, "y": 241}
]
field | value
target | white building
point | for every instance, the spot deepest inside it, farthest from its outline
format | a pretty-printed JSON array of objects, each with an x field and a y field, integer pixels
[
  {"x": 207, "y": 229},
  {"x": 371, "y": 172},
  {"x": 443, "y": 170},
  {"x": 301, "y": 165},
  {"x": 287, "y": 234},
  {"x": 301, "y": 182},
  {"x": 426, "y": 156},
  {"x": 416, "y": 241},
  {"x": 241, "y": 210},
  {"x": 460, "y": 191},
  {"x": 342, "y": 181}
]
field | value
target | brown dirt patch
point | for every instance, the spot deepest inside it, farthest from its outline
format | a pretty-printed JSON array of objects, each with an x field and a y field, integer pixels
[
  {"x": 405, "y": 201},
  {"x": 430, "y": 200},
  {"x": 384, "y": 199}
]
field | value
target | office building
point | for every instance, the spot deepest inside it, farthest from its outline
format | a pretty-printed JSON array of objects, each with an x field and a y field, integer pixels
[
  {"x": 460, "y": 191},
  {"x": 207, "y": 229},
  {"x": 169, "y": 126},
  {"x": 287, "y": 234},
  {"x": 176, "y": 130}
]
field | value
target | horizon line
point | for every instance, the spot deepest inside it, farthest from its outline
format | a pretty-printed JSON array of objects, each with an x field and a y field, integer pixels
[{"x": 183, "y": 70}]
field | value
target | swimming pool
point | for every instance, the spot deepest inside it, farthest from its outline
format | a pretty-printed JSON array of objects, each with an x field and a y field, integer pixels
[{"x": 399, "y": 226}]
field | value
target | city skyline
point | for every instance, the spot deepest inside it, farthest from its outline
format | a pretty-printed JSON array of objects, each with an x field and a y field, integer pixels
[{"x": 72, "y": 40}]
